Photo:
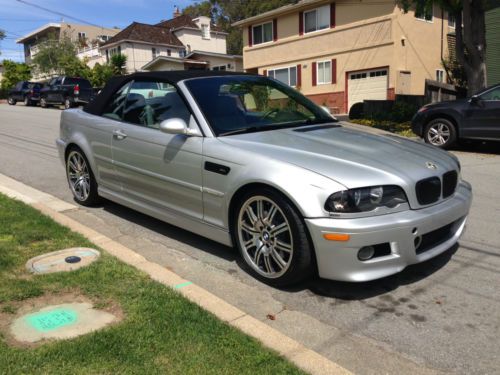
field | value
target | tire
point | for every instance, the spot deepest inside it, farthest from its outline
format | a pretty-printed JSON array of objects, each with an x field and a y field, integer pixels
[
  {"x": 441, "y": 133},
  {"x": 80, "y": 178},
  {"x": 272, "y": 240},
  {"x": 43, "y": 103},
  {"x": 27, "y": 101},
  {"x": 11, "y": 101},
  {"x": 67, "y": 104}
]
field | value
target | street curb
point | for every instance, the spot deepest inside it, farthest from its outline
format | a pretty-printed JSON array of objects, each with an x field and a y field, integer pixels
[{"x": 304, "y": 358}]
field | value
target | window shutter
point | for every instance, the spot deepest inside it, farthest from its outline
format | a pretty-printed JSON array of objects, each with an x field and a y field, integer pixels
[
  {"x": 332, "y": 15},
  {"x": 250, "y": 38},
  {"x": 275, "y": 29},
  {"x": 301, "y": 23},
  {"x": 314, "y": 74},
  {"x": 264, "y": 72},
  {"x": 299, "y": 75},
  {"x": 334, "y": 70}
]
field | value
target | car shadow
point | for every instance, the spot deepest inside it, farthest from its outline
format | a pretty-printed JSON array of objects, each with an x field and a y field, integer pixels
[
  {"x": 325, "y": 288},
  {"x": 349, "y": 291},
  {"x": 170, "y": 231},
  {"x": 478, "y": 147}
]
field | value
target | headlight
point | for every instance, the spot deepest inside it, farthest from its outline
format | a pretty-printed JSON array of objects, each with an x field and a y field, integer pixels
[{"x": 365, "y": 199}]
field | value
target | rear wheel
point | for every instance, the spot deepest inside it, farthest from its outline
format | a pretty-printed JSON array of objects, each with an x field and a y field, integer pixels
[
  {"x": 43, "y": 103},
  {"x": 81, "y": 180},
  {"x": 272, "y": 239},
  {"x": 68, "y": 103},
  {"x": 441, "y": 133},
  {"x": 11, "y": 101}
]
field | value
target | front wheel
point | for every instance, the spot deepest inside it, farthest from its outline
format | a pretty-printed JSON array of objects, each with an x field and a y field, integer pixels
[
  {"x": 272, "y": 238},
  {"x": 81, "y": 180},
  {"x": 43, "y": 103},
  {"x": 27, "y": 101},
  {"x": 441, "y": 133},
  {"x": 11, "y": 101}
]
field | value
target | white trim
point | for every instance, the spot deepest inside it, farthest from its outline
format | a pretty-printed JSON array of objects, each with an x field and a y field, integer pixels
[
  {"x": 317, "y": 14},
  {"x": 318, "y": 83},
  {"x": 282, "y": 68},
  {"x": 37, "y": 31}
]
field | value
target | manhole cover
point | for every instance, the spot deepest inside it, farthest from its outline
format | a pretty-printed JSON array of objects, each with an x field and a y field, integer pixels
[
  {"x": 63, "y": 260},
  {"x": 60, "y": 322}
]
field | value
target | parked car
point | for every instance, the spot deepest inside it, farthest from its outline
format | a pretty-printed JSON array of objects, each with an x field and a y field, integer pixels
[
  {"x": 26, "y": 92},
  {"x": 68, "y": 91},
  {"x": 443, "y": 124},
  {"x": 247, "y": 161}
]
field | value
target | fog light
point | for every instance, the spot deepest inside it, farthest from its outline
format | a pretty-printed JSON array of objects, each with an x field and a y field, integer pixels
[{"x": 366, "y": 253}]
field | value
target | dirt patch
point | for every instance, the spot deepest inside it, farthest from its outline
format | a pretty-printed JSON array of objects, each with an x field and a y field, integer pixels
[{"x": 11, "y": 311}]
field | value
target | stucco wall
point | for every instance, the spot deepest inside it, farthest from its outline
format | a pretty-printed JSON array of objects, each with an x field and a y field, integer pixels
[
  {"x": 139, "y": 54},
  {"x": 91, "y": 32},
  {"x": 216, "y": 43}
]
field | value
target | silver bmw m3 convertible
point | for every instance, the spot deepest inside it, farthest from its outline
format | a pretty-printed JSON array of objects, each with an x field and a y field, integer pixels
[{"x": 249, "y": 162}]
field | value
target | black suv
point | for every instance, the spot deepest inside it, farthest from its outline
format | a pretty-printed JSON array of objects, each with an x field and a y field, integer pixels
[
  {"x": 24, "y": 91},
  {"x": 68, "y": 91},
  {"x": 443, "y": 124}
]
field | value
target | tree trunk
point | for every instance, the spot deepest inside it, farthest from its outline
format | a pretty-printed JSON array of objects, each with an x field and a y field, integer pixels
[{"x": 471, "y": 44}]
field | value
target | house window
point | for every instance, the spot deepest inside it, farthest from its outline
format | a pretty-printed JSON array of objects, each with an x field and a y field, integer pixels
[
  {"x": 285, "y": 75},
  {"x": 219, "y": 68},
  {"x": 324, "y": 72},
  {"x": 262, "y": 33},
  {"x": 451, "y": 20},
  {"x": 115, "y": 51},
  {"x": 169, "y": 52},
  {"x": 182, "y": 53},
  {"x": 82, "y": 36},
  {"x": 205, "y": 31},
  {"x": 440, "y": 75},
  {"x": 423, "y": 12},
  {"x": 317, "y": 19},
  {"x": 154, "y": 52}
]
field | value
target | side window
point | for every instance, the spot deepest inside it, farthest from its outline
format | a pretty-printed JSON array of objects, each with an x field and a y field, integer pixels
[
  {"x": 149, "y": 103},
  {"x": 492, "y": 94},
  {"x": 114, "y": 109}
]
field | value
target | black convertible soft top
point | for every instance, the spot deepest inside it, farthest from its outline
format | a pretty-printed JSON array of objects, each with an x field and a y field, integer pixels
[{"x": 97, "y": 105}]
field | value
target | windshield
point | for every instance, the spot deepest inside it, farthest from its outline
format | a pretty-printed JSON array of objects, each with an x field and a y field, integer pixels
[{"x": 240, "y": 104}]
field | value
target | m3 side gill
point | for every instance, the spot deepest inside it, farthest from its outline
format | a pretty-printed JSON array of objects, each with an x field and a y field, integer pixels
[{"x": 249, "y": 162}]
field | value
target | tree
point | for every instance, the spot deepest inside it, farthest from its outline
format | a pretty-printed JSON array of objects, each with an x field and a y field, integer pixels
[
  {"x": 225, "y": 12},
  {"x": 13, "y": 73},
  {"x": 470, "y": 38},
  {"x": 119, "y": 62},
  {"x": 2, "y": 37},
  {"x": 58, "y": 56},
  {"x": 101, "y": 74}
]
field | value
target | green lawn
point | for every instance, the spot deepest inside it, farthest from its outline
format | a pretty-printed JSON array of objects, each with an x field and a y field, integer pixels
[{"x": 161, "y": 331}]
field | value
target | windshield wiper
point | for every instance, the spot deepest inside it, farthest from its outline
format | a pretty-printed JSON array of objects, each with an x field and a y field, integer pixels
[
  {"x": 281, "y": 125},
  {"x": 249, "y": 129}
]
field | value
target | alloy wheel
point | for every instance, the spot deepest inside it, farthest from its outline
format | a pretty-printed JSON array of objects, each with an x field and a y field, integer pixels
[
  {"x": 43, "y": 103},
  {"x": 438, "y": 134},
  {"x": 67, "y": 104},
  {"x": 265, "y": 237},
  {"x": 78, "y": 176}
]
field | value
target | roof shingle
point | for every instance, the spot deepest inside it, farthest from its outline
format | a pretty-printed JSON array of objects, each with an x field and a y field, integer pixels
[{"x": 142, "y": 32}]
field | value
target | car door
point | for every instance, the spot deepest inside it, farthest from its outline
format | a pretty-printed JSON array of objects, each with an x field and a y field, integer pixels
[
  {"x": 162, "y": 171},
  {"x": 17, "y": 93},
  {"x": 483, "y": 115}
]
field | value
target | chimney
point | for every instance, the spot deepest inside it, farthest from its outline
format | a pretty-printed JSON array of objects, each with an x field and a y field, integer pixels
[{"x": 177, "y": 12}]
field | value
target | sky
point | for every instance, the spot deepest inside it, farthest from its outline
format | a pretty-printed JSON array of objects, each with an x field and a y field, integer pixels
[{"x": 18, "y": 19}]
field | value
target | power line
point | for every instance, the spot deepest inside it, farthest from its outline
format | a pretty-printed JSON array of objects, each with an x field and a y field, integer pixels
[{"x": 57, "y": 13}]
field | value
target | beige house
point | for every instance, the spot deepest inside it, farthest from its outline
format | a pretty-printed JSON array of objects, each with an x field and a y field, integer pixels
[
  {"x": 83, "y": 35},
  {"x": 343, "y": 52}
]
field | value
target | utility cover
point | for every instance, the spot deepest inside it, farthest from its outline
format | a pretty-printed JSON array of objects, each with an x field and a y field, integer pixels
[{"x": 63, "y": 260}]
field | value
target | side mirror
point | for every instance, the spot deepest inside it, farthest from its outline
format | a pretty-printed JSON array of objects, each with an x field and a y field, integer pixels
[
  {"x": 177, "y": 126},
  {"x": 474, "y": 99}
]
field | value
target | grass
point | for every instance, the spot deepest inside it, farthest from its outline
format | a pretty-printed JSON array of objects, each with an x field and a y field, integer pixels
[
  {"x": 402, "y": 128},
  {"x": 161, "y": 331}
]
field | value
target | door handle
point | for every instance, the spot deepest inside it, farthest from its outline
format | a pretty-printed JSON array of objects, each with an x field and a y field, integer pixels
[{"x": 119, "y": 134}]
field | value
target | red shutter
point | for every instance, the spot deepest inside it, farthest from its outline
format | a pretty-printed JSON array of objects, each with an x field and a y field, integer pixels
[
  {"x": 314, "y": 73},
  {"x": 301, "y": 23},
  {"x": 334, "y": 70},
  {"x": 332, "y": 15},
  {"x": 275, "y": 29},
  {"x": 299, "y": 75},
  {"x": 264, "y": 72},
  {"x": 250, "y": 39}
]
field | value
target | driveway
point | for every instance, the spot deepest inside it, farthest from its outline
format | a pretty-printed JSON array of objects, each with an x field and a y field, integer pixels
[{"x": 439, "y": 316}]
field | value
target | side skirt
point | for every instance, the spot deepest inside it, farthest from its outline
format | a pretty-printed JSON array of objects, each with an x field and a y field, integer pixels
[{"x": 195, "y": 226}]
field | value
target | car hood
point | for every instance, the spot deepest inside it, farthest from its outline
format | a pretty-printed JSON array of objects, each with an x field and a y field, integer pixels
[
  {"x": 349, "y": 157},
  {"x": 447, "y": 104}
]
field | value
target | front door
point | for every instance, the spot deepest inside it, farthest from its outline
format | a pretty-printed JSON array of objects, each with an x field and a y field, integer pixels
[
  {"x": 482, "y": 117},
  {"x": 157, "y": 169}
]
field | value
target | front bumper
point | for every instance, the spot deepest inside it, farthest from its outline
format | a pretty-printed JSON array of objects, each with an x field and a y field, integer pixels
[
  {"x": 339, "y": 260},
  {"x": 61, "y": 149},
  {"x": 417, "y": 123}
]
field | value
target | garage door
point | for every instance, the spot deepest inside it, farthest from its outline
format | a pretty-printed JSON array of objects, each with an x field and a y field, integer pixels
[{"x": 370, "y": 84}]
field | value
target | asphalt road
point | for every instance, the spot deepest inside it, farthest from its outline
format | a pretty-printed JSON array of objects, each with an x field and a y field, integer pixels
[{"x": 439, "y": 316}]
